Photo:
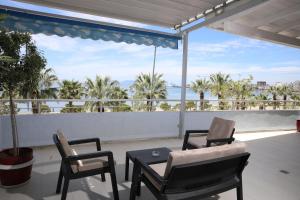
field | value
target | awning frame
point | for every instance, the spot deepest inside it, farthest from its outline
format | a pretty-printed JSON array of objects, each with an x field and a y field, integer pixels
[{"x": 92, "y": 23}]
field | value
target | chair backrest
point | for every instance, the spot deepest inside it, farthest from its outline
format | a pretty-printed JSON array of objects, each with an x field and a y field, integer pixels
[
  {"x": 58, "y": 146},
  {"x": 65, "y": 149},
  {"x": 221, "y": 128},
  {"x": 216, "y": 174},
  {"x": 197, "y": 155}
]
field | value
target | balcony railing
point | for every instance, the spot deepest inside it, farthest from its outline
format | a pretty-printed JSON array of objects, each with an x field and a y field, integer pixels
[{"x": 26, "y": 106}]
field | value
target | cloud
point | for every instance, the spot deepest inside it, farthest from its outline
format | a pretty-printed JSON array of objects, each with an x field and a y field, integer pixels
[
  {"x": 217, "y": 48},
  {"x": 75, "y": 58},
  {"x": 55, "y": 43}
]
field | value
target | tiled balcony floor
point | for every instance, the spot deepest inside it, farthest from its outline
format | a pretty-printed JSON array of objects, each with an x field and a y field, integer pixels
[{"x": 263, "y": 178}]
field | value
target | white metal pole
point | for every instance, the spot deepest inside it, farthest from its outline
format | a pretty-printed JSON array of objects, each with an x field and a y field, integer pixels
[
  {"x": 152, "y": 78},
  {"x": 185, "y": 40}
]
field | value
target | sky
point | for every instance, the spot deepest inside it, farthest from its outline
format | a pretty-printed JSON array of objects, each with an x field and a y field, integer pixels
[{"x": 210, "y": 52}]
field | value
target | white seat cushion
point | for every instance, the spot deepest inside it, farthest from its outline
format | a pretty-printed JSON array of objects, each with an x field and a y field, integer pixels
[
  {"x": 197, "y": 141},
  {"x": 198, "y": 155},
  {"x": 220, "y": 128},
  {"x": 160, "y": 169},
  {"x": 89, "y": 164}
]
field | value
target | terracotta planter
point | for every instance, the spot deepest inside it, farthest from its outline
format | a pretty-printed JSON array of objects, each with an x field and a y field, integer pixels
[
  {"x": 15, "y": 170},
  {"x": 298, "y": 125}
]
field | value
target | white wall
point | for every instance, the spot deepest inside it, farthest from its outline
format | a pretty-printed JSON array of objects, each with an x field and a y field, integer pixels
[
  {"x": 35, "y": 130},
  {"x": 38, "y": 129},
  {"x": 246, "y": 120}
]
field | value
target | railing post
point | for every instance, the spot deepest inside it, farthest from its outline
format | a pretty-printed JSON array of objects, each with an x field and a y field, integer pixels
[{"x": 185, "y": 40}]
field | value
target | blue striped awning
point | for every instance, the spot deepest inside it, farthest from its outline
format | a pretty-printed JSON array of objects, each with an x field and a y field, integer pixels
[{"x": 49, "y": 25}]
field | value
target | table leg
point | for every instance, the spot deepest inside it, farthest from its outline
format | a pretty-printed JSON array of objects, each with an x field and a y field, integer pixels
[
  {"x": 126, "y": 167},
  {"x": 135, "y": 181},
  {"x": 138, "y": 187}
]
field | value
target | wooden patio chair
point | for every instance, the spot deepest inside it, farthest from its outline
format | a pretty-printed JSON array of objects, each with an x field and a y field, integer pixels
[
  {"x": 74, "y": 166},
  {"x": 197, "y": 173},
  {"x": 220, "y": 132}
]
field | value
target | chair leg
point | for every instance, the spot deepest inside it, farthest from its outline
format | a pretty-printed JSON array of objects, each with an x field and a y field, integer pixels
[
  {"x": 185, "y": 141},
  {"x": 114, "y": 183},
  {"x": 126, "y": 168},
  {"x": 60, "y": 177},
  {"x": 184, "y": 145},
  {"x": 103, "y": 177},
  {"x": 239, "y": 192},
  {"x": 65, "y": 189}
]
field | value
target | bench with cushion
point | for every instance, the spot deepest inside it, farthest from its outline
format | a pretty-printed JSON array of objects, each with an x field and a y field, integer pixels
[
  {"x": 74, "y": 165},
  {"x": 194, "y": 173},
  {"x": 220, "y": 132}
]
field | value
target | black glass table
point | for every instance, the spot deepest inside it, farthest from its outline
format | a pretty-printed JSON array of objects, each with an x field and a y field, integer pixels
[{"x": 147, "y": 156}]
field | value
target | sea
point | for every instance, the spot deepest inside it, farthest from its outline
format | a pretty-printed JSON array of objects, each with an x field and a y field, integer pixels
[{"x": 173, "y": 93}]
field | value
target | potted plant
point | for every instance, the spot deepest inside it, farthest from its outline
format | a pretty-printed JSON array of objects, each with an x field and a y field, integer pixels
[{"x": 19, "y": 62}]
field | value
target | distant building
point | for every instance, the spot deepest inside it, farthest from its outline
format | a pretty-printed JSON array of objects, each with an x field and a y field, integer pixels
[{"x": 261, "y": 85}]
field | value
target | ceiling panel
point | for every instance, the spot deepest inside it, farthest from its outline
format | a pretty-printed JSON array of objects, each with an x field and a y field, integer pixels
[
  {"x": 167, "y": 13},
  {"x": 276, "y": 21}
]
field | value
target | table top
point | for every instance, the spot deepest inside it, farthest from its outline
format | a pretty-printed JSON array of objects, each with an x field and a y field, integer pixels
[{"x": 146, "y": 155}]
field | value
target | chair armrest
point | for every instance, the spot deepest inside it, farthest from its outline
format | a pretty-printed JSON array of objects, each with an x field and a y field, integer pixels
[
  {"x": 205, "y": 132},
  {"x": 156, "y": 177},
  {"x": 88, "y": 140},
  {"x": 227, "y": 140},
  {"x": 98, "y": 154},
  {"x": 188, "y": 133}
]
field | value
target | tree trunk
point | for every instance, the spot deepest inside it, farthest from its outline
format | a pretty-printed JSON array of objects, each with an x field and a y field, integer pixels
[
  {"x": 261, "y": 107},
  {"x": 274, "y": 102},
  {"x": 100, "y": 107},
  {"x": 243, "y": 104},
  {"x": 70, "y": 109},
  {"x": 237, "y": 107},
  {"x": 149, "y": 105},
  {"x": 284, "y": 101},
  {"x": 33, "y": 107},
  {"x": 221, "y": 105},
  {"x": 202, "y": 101},
  {"x": 13, "y": 123},
  {"x": 34, "y": 104}
]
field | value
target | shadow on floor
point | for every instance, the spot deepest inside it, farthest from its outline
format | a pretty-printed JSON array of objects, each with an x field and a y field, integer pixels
[{"x": 43, "y": 185}]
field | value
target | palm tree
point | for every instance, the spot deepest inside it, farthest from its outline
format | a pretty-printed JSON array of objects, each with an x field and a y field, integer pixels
[
  {"x": 201, "y": 86},
  {"x": 70, "y": 90},
  {"x": 149, "y": 87},
  {"x": 262, "y": 98},
  {"x": 284, "y": 91},
  {"x": 119, "y": 93},
  {"x": 165, "y": 106},
  {"x": 190, "y": 105},
  {"x": 101, "y": 88},
  {"x": 47, "y": 79},
  {"x": 219, "y": 87},
  {"x": 274, "y": 91},
  {"x": 242, "y": 90},
  {"x": 295, "y": 93}
]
